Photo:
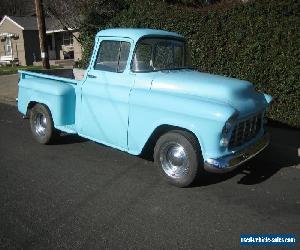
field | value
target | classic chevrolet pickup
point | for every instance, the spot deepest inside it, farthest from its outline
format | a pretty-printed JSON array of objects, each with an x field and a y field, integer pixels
[{"x": 140, "y": 94}]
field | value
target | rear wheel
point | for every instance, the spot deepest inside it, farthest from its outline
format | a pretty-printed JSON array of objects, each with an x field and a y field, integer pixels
[
  {"x": 41, "y": 124},
  {"x": 178, "y": 157}
]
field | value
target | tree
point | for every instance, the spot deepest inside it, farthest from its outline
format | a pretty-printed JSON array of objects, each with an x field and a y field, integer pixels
[
  {"x": 85, "y": 15},
  {"x": 16, "y": 7},
  {"x": 42, "y": 32}
]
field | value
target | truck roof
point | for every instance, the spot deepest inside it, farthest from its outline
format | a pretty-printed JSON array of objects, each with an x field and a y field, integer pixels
[{"x": 136, "y": 33}]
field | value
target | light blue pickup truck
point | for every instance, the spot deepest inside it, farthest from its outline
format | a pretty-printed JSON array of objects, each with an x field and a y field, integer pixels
[{"x": 139, "y": 94}]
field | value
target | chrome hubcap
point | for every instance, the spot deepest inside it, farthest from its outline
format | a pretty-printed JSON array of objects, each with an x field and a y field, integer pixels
[
  {"x": 174, "y": 160},
  {"x": 40, "y": 124}
]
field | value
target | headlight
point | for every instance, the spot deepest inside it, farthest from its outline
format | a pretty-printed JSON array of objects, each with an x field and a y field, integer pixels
[
  {"x": 227, "y": 128},
  {"x": 268, "y": 98},
  {"x": 224, "y": 142}
]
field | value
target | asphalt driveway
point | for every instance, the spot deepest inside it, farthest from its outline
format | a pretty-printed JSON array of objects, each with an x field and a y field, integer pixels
[
  {"x": 79, "y": 194},
  {"x": 9, "y": 88}
]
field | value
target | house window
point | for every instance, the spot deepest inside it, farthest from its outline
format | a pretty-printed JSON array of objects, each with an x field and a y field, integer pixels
[
  {"x": 67, "y": 38},
  {"x": 7, "y": 46},
  {"x": 112, "y": 56}
]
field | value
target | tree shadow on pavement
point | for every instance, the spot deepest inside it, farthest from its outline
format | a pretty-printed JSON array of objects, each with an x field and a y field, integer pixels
[{"x": 281, "y": 153}]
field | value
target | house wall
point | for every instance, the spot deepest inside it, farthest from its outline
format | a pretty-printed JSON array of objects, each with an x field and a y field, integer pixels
[
  {"x": 17, "y": 44},
  {"x": 32, "y": 46},
  {"x": 59, "y": 43}
]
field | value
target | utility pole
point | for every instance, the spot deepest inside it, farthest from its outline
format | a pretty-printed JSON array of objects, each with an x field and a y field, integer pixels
[{"x": 42, "y": 33}]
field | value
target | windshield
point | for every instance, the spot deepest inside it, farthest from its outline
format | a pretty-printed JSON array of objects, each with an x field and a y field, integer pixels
[{"x": 154, "y": 54}]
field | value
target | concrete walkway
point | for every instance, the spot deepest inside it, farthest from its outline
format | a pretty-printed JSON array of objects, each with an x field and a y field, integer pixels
[{"x": 9, "y": 89}]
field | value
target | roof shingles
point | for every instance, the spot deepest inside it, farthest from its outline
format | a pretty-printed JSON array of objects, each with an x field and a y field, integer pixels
[{"x": 30, "y": 23}]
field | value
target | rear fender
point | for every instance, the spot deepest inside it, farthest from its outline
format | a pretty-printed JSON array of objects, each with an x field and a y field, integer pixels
[{"x": 58, "y": 97}]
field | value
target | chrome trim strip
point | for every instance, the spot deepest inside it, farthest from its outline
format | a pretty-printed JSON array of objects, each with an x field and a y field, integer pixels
[{"x": 230, "y": 162}]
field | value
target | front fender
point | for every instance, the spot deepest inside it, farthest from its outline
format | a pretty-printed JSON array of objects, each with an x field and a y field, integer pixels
[{"x": 151, "y": 109}]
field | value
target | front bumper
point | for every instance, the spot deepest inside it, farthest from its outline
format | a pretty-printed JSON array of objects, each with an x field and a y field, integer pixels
[{"x": 229, "y": 162}]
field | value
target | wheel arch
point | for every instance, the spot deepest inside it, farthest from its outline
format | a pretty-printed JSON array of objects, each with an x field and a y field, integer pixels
[
  {"x": 31, "y": 104},
  {"x": 148, "y": 148}
]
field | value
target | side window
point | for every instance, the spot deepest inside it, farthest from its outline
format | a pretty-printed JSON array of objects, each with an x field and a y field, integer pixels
[{"x": 112, "y": 56}]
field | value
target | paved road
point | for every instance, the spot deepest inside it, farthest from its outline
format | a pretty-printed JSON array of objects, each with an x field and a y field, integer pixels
[
  {"x": 79, "y": 194},
  {"x": 8, "y": 88}
]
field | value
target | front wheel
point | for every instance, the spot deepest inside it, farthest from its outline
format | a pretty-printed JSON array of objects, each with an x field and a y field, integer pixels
[
  {"x": 41, "y": 124},
  {"x": 178, "y": 157}
]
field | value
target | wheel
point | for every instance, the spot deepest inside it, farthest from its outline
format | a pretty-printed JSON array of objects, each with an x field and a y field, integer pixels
[
  {"x": 41, "y": 124},
  {"x": 178, "y": 157}
]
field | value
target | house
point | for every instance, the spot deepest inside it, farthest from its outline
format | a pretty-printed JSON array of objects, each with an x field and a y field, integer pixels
[{"x": 19, "y": 41}]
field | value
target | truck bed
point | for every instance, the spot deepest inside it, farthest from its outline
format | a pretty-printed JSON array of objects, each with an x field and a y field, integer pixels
[
  {"x": 56, "y": 92},
  {"x": 62, "y": 72},
  {"x": 62, "y": 75}
]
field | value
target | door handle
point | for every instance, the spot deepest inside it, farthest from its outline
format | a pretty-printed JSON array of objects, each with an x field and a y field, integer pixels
[{"x": 91, "y": 76}]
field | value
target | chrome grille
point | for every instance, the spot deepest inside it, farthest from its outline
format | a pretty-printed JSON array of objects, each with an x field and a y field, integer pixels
[{"x": 245, "y": 130}]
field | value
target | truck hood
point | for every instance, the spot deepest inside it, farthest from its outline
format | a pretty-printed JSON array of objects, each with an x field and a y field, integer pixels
[{"x": 239, "y": 94}]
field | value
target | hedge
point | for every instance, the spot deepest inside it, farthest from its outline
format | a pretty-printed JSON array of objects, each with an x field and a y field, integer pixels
[{"x": 258, "y": 41}]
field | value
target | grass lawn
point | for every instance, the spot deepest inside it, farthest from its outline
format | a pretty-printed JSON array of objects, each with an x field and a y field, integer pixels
[{"x": 8, "y": 70}]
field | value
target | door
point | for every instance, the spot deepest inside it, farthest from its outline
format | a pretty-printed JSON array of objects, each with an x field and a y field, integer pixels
[
  {"x": 8, "y": 47},
  {"x": 105, "y": 94}
]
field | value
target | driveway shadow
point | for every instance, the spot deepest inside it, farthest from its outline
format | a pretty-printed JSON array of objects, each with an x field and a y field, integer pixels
[
  {"x": 281, "y": 153},
  {"x": 69, "y": 139}
]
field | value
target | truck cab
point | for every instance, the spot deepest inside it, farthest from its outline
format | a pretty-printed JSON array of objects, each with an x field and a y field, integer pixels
[{"x": 140, "y": 93}]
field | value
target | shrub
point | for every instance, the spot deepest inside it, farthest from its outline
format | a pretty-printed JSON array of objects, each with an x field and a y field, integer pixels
[{"x": 257, "y": 41}]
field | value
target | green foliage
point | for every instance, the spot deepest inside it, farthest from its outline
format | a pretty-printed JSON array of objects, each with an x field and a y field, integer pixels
[
  {"x": 258, "y": 41},
  {"x": 192, "y": 2},
  {"x": 87, "y": 43}
]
